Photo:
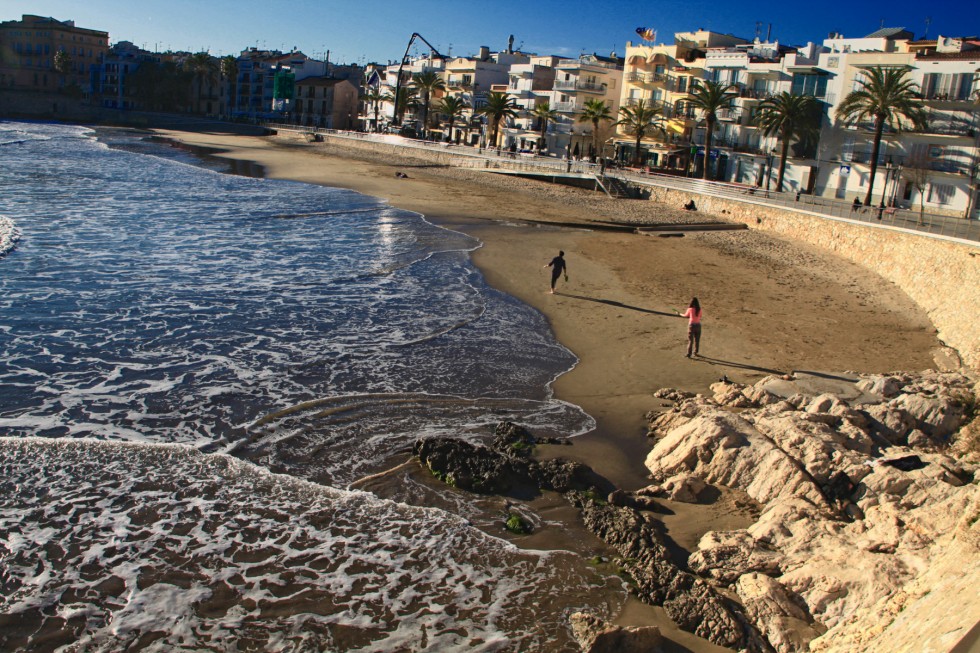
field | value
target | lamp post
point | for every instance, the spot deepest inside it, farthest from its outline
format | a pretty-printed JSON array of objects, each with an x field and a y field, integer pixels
[{"x": 896, "y": 178}]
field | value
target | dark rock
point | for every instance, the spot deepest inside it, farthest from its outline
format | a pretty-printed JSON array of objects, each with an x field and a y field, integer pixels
[
  {"x": 513, "y": 439},
  {"x": 626, "y": 499},
  {"x": 501, "y": 468},
  {"x": 563, "y": 475},
  {"x": 693, "y": 604},
  {"x": 473, "y": 467}
]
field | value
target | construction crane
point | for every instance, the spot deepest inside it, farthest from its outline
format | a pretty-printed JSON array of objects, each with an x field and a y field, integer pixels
[{"x": 398, "y": 81}]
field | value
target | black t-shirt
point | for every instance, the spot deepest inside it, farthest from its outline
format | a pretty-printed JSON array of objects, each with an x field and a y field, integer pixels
[{"x": 558, "y": 263}]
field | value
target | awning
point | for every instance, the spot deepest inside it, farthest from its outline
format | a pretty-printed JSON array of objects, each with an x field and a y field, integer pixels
[{"x": 657, "y": 58}]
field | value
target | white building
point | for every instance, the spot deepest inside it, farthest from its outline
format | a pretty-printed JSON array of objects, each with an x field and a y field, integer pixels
[{"x": 577, "y": 81}]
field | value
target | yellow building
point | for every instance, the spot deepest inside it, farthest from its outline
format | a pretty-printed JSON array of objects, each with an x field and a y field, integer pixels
[{"x": 662, "y": 75}]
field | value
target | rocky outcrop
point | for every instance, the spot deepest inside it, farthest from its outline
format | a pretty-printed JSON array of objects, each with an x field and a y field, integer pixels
[
  {"x": 504, "y": 467},
  {"x": 778, "y": 613},
  {"x": 861, "y": 499},
  {"x": 597, "y": 636},
  {"x": 693, "y": 604}
]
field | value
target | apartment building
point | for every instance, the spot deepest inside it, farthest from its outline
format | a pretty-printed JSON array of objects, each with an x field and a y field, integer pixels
[
  {"x": 662, "y": 75},
  {"x": 121, "y": 61},
  {"x": 933, "y": 168},
  {"x": 530, "y": 84},
  {"x": 473, "y": 79},
  {"x": 255, "y": 87},
  {"x": 325, "y": 102},
  {"x": 31, "y": 44},
  {"x": 387, "y": 81},
  {"x": 577, "y": 81},
  {"x": 753, "y": 71}
]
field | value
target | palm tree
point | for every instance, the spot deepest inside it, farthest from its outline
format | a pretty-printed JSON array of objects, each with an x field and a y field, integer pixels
[
  {"x": 545, "y": 115},
  {"x": 595, "y": 111},
  {"x": 887, "y": 97},
  {"x": 204, "y": 68},
  {"x": 498, "y": 106},
  {"x": 407, "y": 100},
  {"x": 788, "y": 116},
  {"x": 374, "y": 98},
  {"x": 638, "y": 119},
  {"x": 709, "y": 97},
  {"x": 229, "y": 71},
  {"x": 452, "y": 107},
  {"x": 427, "y": 83}
]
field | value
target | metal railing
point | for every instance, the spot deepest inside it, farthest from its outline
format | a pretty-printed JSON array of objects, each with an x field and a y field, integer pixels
[{"x": 475, "y": 158}]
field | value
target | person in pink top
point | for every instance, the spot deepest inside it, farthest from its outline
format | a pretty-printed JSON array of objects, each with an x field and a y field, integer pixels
[{"x": 693, "y": 315}]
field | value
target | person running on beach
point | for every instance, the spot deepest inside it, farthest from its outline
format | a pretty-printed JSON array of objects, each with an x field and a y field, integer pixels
[
  {"x": 558, "y": 267},
  {"x": 693, "y": 315}
]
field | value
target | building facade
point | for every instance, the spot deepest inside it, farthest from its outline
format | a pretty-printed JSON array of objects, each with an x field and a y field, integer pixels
[
  {"x": 29, "y": 53},
  {"x": 577, "y": 81},
  {"x": 326, "y": 102}
]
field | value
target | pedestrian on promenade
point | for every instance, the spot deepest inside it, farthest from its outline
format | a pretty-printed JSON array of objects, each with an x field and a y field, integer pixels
[
  {"x": 693, "y": 315},
  {"x": 558, "y": 267}
]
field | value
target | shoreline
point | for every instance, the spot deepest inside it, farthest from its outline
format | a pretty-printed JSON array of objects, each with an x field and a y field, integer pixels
[
  {"x": 764, "y": 312},
  {"x": 771, "y": 306}
]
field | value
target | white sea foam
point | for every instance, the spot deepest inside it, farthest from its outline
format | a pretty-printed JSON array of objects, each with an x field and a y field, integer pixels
[
  {"x": 110, "y": 545},
  {"x": 156, "y": 303},
  {"x": 9, "y": 235}
]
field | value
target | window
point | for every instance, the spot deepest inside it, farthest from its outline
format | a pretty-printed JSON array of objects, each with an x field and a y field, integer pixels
[
  {"x": 810, "y": 84},
  {"x": 940, "y": 193},
  {"x": 682, "y": 84}
]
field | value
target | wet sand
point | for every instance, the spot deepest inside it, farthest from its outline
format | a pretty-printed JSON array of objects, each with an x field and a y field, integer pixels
[{"x": 770, "y": 305}]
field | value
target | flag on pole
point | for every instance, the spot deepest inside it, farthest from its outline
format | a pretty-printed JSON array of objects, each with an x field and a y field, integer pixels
[{"x": 647, "y": 33}]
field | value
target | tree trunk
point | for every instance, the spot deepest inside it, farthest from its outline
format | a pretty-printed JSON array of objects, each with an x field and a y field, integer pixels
[
  {"x": 879, "y": 127},
  {"x": 782, "y": 163},
  {"x": 709, "y": 128},
  {"x": 636, "y": 154}
]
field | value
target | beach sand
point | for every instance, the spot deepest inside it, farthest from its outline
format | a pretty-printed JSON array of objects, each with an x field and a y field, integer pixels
[{"x": 770, "y": 305}]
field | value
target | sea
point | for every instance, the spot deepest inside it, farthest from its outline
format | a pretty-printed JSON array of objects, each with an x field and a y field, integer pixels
[{"x": 200, "y": 367}]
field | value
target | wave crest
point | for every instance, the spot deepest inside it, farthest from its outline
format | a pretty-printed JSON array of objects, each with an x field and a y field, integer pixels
[{"x": 9, "y": 235}]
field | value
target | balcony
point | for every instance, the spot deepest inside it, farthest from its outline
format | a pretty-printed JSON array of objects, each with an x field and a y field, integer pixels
[
  {"x": 941, "y": 123},
  {"x": 754, "y": 93},
  {"x": 580, "y": 86},
  {"x": 935, "y": 97},
  {"x": 565, "y": 65},
  {"x": 729, "y": 115},
  {"x": 651, "y": 79},
  {"x": 565, "y": 107}
]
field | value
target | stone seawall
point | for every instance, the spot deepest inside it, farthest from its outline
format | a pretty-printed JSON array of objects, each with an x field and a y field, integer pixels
[{"x": 940, "y": 275}]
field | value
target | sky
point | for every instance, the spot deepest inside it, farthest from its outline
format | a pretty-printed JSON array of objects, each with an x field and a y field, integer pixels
[{"x": 368, "y": 31}]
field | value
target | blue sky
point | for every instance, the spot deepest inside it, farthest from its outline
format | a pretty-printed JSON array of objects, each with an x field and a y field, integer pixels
[{"x": 365, "y": 31}]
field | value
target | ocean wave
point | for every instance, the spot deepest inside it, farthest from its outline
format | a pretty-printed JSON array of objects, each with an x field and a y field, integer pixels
[
  {"x": 111, "y": 546},
  {"x": 9, "y": 235}
]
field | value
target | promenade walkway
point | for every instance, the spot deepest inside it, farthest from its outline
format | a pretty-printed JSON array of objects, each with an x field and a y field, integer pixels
[{"x": 926, "y": 223}]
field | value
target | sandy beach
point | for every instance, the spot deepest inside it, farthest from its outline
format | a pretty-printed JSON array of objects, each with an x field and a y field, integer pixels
[{"x": 770, "y": 306}]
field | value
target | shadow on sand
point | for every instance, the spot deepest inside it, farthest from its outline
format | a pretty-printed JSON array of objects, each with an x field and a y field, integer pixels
[
  {"x": 741, "y": 366},
  {"x": 610, "y": 302}
]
